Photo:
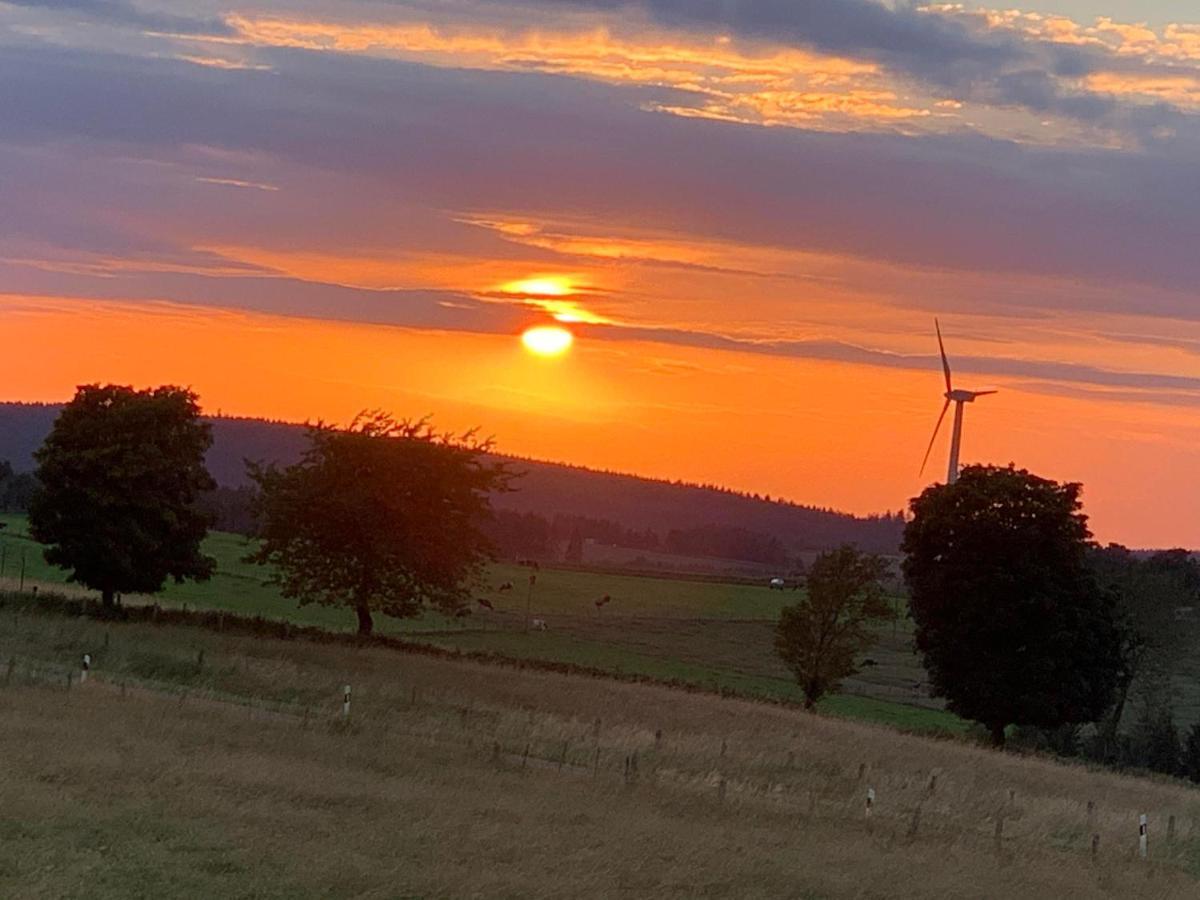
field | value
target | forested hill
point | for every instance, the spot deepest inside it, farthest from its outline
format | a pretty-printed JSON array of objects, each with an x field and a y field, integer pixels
[{"x": 546, "y": 489}]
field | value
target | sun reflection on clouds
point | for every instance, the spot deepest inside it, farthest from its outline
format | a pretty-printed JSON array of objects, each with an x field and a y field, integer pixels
[
  {"x": 546, "y": 292},
  {"x": 540, "y": 286}
]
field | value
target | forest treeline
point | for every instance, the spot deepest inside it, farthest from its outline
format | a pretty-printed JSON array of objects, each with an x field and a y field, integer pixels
[{"x": 615, "y": 509}]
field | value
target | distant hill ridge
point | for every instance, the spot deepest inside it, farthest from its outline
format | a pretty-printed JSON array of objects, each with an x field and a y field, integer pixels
[{"x": 545, "y": 488}]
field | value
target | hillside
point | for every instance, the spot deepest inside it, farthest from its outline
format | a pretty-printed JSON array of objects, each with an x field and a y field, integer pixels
[
  {"x": 547, "y": 489},
  {"x": 211, "y": 764}
]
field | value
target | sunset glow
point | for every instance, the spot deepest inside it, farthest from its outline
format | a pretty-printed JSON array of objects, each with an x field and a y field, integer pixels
[
  {"x": 547, "y": 340},
  {"x": 549, "y": 286},
  {"x": 733, "y": 227}
]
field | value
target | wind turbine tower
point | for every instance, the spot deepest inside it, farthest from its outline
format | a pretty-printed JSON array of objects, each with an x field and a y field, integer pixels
[{"x": 958, "y": 398}]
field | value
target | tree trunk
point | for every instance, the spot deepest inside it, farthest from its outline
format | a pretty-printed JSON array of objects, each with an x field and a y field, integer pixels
[
  {"x": 1114, "y": 726},
  {"x": 812, "y": 693},
  {"x": 108, "y": 598},
  {"x": 366, "y": 625},
  {"x": 997, "y": 732}
]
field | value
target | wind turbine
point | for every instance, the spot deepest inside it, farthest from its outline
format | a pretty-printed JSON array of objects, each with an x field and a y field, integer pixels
[{"x": 958, "y": 398}]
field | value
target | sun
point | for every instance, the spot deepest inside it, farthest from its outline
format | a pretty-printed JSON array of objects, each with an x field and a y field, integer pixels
[{"x": 547, "y": 340}]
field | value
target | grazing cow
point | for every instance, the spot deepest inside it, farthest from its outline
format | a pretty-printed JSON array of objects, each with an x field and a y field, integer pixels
[
  {"x": 485, "y": 603},
  {"x": 539, "y": 624},
  {"x": 603, "y": 601},
  {"x": 507, "y": 586},
  {"x": 777, "y": 584}
]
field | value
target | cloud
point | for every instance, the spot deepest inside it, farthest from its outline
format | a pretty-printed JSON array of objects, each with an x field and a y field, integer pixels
[
  {"x": 563, "y": 149},
  {"x": 127, "y": 14},
  {"x": 1144, "y": 386}
]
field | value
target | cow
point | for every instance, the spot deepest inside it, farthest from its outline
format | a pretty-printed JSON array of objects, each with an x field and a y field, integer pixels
[
  {"x": 777, "y": 584},
  {"x": 539, "y": 624}
]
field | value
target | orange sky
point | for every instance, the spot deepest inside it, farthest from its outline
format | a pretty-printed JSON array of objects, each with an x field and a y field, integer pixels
[
  {"x": 747, "y": 214},
  {"x": 828, "y": 433}
]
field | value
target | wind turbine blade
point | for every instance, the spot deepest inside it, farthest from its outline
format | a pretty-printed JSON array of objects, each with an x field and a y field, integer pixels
[
  {"x": 936, "y": 429},
  {"x": 942, "y": 348},
  {"x": 983, "y": 393}
]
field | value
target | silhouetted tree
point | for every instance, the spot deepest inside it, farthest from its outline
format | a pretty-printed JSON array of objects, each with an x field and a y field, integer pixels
[
  {"x": 385, "y": 516},
  {"x": 1148, "y": 592},
  {"x": 819, "y": 637},
  {"x": 1010, "y": 622},
  {"x": 16, "y": 488},
  {"x": 119, "y": 478},
  {"x": 574, "y": 552},
  {"x": 1156, "y": 740},
  {"x": 1190, "y": 763},
  {"x": 519, "y": 535}
]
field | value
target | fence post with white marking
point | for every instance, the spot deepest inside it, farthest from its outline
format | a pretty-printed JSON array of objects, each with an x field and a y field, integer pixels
[
  {"x": 346, "y": 702},
  {"x": 1142, "y": 836},
  {"x": 87, "y": 667}
]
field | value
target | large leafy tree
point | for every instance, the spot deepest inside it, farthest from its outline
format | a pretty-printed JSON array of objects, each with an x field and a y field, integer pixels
[
  {"x": 119, "y": 478},
  {"x": 385, "y": 516},
  {"x": 1010, "y": 621},
  {"x": 819, "y": 637}
]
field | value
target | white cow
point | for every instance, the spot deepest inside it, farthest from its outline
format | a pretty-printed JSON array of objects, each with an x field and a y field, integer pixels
[{"x": 777, "y": 584}]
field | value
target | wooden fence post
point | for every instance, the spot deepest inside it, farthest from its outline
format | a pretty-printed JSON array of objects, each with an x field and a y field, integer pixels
[{"x": 915, "y": 825}]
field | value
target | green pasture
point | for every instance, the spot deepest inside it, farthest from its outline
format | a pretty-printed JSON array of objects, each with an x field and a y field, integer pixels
[{"x": 712, "y": 635}]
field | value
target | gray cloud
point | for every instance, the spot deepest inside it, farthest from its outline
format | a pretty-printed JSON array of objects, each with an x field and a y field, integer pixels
[
  {"x": 967, "y": 368},
  {"x": 127, "y": 14},
  {"x": 534, "y": 145},
  {"x": 943, "y": 52}
]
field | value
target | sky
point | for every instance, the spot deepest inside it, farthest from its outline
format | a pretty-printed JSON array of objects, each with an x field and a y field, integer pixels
[{"x": 748, "y": 214}]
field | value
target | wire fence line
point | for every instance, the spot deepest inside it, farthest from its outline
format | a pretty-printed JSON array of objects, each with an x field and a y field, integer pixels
[{"x": 918, "y": 808}]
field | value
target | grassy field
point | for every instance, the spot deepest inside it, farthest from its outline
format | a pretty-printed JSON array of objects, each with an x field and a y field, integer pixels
[
  {"x": 196, "y": 763},
  {"x": 719, "y": 636}
]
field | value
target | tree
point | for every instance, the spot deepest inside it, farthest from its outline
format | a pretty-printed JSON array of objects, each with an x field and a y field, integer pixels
[
  {"x": 385, "y": 516},
  {"x": 1190, "y": 764},
  {"x": 1156, "y": 740},
  {"x": 574, "y": 552},
  {"x": 1011, "y": 624},
  {"x": 819, "y": 637},
  {"x": 1147, "y": 593},
  {"x": 119, "y": 479}
]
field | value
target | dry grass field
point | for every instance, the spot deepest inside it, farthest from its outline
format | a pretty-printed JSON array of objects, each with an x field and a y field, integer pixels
[{"x": 200, "y": 764}]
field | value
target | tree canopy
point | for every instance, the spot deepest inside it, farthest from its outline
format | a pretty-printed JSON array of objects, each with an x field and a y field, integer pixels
[
  {"x": 1148, "y": 592},
  {"x": 386, "y": 516},
  {"x": 1010, "y": 621},
  {"x": 119, "y": 479},
  {"x": 820, "y": 636}
]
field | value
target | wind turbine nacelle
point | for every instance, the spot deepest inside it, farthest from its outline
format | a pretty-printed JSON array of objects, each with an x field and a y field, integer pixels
[{"x": 962, "y": 396}]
